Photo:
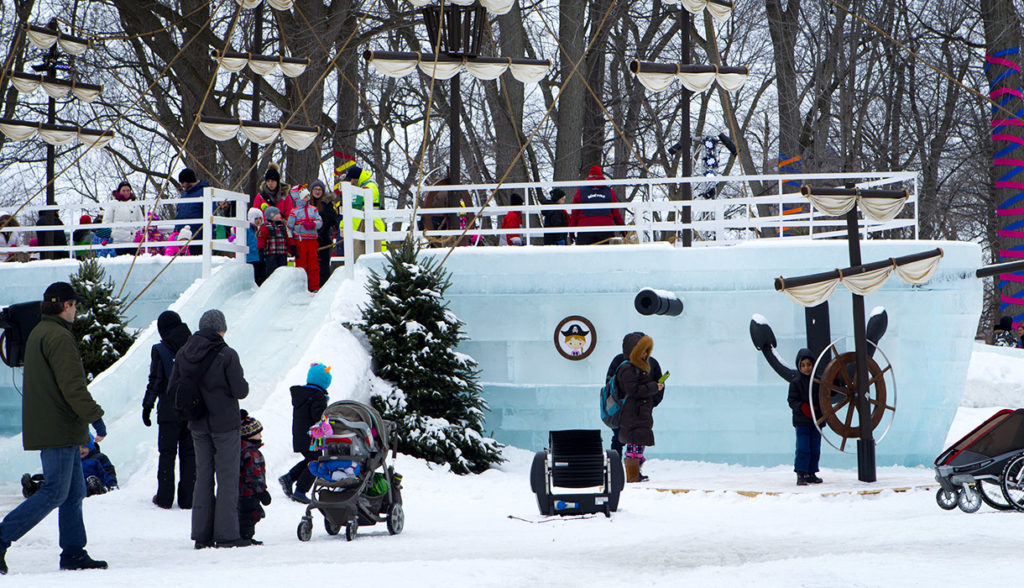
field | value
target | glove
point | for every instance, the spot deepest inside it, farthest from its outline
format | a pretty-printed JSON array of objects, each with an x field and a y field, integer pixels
[
  {"x": 308, "y": 223},
  {"x": 806, "y": 409},
  {"x": 264, "y": 498},
  {"x": 145, "y": 416}
]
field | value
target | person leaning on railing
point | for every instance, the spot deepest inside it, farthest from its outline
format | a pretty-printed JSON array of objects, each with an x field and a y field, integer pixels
[{"x": 595, "y": 217}]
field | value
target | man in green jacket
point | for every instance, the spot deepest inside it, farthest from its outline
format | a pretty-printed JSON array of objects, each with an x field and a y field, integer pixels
[{"x": 55, "y": 414}]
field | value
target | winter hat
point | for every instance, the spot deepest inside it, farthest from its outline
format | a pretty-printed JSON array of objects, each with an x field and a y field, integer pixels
[
  {"x": 167, "y": 320},
  {"x": 185, "y": 233},
  {"x": 270, "y": 212},
  {"x": 254, "y": 213},
  {"x": 319, "y": 375},
  {"x": 250, "y": 426},
  {"x": 1005, "y": 324},
  {"x": 515, "y": 199},
  {"x": 187, "y": 175},
  {"x": 85, "y": 220},
  {"x": 316, "y": 183},
  {"x": 636, "y": 356},
  {"x": 213, "y": 320},
  {"x": 556, "y": 194},
  {"x": 596, "y": 172},
  {"x": 272, "y": 173},
  {"x": 353, "y": 173}
]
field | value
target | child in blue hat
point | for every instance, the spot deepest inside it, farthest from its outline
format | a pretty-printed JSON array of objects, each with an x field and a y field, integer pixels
[{"x": 308, "y": 404}]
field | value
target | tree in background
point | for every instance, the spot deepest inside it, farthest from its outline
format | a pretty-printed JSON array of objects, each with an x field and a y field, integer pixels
[
  {"x": 435, "y": 397},
  {"x": 99, "y": 325}
]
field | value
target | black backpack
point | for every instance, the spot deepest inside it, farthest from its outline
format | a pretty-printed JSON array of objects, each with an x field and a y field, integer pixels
[{"x": 188, "y": 399}]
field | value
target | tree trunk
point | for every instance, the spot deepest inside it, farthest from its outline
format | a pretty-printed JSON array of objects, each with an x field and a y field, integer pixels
[
  {"x": 569, "y": 120},
  {"x": 593, "y": 114},
  {"x": 1002, "y": 44}
]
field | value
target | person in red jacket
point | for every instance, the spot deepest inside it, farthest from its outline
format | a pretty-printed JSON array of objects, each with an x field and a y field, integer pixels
[
  {"x": 595, "y": 217},
  {"x": 512, "y": 220}
]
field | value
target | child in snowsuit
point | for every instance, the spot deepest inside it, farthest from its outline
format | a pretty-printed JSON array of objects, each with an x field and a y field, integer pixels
[
  {"x": 308, "y": 404},
  {"x": 636, "y": 429},
  {"x": 100, "y": 475},
  {"x": 808, "y": 438},
  {"x": 252, "y": 483},
  {"x": 273, "y": 240},
  {"x": 255, "y": 257},
  {"x": 304, "y": 223}
]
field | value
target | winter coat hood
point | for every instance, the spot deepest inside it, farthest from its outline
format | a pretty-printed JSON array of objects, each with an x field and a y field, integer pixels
[
  {"x": 272, "y": 197},
  {"x": 630, "y": 341},
  {"x": 803, "y": 354},
  {"x": 176, "y": 337},
  {"x": 641, "y": 352}
]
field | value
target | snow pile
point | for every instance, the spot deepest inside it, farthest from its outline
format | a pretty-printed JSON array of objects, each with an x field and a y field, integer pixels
[{"x": 995, "y": 377}]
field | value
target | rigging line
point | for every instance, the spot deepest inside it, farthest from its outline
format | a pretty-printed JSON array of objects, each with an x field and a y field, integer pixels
[
  {"x": 607, "y": 114},
  {"x": 112, "y": 37},
  {"x": 355, "y": 89},
  {"x": 561, "y": 88},
  {"x": 191, "y": 129},
  {"x": 426, "y": 118},
  {"x": 119, "y": 117},
  {"x": 942, "y": 73},
  {"x": 330, "y": 64}
]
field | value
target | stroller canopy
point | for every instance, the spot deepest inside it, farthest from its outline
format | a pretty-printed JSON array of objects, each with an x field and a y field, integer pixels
[
  {"x": 354, "y": 414},
  {"x": 1002, "y": 433}
]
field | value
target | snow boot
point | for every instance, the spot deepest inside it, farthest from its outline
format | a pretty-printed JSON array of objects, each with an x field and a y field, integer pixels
[
  {"x": 632, "y": 466},
  {"x": 814, "y": 479},
  {"x": 801, "y": 479},
  {"x": 300, "y": 497},
  {"x": 286, "y": 484},
  {"x": 82, "y": 562},
  {"x": 3, "y": 561}
]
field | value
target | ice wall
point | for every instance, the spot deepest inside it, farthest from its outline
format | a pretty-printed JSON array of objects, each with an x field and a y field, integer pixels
[
  {"x": 723, "y": 402},
  {"x": 22, "y": 282}
]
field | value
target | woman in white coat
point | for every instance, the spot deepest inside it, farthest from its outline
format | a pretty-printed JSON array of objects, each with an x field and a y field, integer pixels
[{"x": 124, "y": 208}]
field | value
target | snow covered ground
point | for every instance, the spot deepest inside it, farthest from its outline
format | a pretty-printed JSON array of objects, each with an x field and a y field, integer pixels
[{"x": 485, "y": 530}]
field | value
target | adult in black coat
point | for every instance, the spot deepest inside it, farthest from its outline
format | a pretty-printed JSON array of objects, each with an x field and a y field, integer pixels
[
  {"x": 628, "y": 342},
  {"x": 308, "y": 404},
  {"x": 636, "y": 429},
  {"x": 808, "y": 438},
  {"x": 173, "y": 437},
  {"x": 216, "y": 435},
  {"x": 325, "y": 234}
]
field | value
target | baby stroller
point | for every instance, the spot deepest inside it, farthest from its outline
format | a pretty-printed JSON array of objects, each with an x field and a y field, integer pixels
[
  {"x": 354, "y": 442},
  {"x": 986, "y": 465}
]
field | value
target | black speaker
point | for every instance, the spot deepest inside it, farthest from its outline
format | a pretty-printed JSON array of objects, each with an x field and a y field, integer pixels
[{"x": 17, "y": 321}]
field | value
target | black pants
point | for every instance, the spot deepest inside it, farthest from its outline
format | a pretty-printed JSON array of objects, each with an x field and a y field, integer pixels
[
  {"x": 300, "y": 472},
  {"x": 249, "y": 513},
  {"x": 174, "y": 439},
  {"x": 591, "y": 238},
  {"x": 273, "y": 262},
  {"x": 258, "y": 268},
  {"x": 324, "y": 257},
  {"x": 616, "y": 444}
]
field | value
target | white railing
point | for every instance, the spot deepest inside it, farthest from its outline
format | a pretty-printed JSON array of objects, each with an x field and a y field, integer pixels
[
  {"x": 732, "y": 216},
  {"x": 202, "y": 237}
]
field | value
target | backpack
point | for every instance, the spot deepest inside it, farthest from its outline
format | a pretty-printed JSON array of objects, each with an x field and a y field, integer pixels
[
  {"x": 188, "y": 398},
  {"x": 612, "y": 401}
]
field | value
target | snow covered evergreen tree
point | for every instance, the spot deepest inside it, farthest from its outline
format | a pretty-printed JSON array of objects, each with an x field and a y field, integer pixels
[
  {"x": 435, "y": 397},
  {"x": 99, "y": 324}
]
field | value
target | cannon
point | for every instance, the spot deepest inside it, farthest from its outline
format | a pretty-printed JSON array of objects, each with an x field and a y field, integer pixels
[{"x": 662, "y": 302}]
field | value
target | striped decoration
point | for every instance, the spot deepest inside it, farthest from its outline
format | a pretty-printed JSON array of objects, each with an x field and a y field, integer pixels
[
  {"x": 1010, "y": 286},
  {"x": 790, "y": 166}
]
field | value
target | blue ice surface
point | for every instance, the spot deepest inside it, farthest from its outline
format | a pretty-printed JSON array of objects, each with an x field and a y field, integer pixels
[{"x": 723, "y": 402}]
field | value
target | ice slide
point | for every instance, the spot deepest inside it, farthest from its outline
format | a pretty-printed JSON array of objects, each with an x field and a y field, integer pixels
[{"x": 277, "y": 329}]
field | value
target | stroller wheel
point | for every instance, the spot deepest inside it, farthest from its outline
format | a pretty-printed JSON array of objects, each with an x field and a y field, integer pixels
[
  {"x": 968, "y": 499},
  {"x": 1013, "y": 482},
  {"x": 946, "y": 499},
  {"x": 395, "y": 519},
  {"x": 305, "y": 529},
  {"x": 992, "y": 495},
  {"x": 350, "y": 530},
  {"x": 331, "y": 528}
]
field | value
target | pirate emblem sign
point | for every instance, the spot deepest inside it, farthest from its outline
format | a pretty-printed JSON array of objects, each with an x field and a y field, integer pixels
[{"x": 575, "y": 338}]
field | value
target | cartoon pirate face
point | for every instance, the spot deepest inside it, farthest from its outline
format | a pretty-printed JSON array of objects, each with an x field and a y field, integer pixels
[{"x": 575, "y": 338}]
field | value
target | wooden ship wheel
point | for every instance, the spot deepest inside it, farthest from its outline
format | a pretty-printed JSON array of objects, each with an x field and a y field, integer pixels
[{"x": 837, "y": 395}]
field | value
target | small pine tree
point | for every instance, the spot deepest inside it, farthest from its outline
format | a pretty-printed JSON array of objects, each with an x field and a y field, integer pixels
[
  {"x": 99, "y": 324},
  {"x": 434, "y": 397}
]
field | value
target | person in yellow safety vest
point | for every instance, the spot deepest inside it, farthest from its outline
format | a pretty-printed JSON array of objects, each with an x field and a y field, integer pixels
[{"x": 361, "y": 178}]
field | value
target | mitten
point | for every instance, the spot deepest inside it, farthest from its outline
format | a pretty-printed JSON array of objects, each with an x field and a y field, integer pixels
[
  {"x": 308, "y": 223},
  {"x": 145, "y": 416},
  {"x": 264, "y": 498},
  {"x": 806, "y": 409}
]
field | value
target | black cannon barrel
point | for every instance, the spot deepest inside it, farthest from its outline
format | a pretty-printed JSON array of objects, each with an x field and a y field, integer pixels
[{"x": 649, "y": 301}]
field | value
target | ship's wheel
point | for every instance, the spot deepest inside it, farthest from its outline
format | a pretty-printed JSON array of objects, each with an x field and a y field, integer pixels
[{"x": 837, "y": 389}]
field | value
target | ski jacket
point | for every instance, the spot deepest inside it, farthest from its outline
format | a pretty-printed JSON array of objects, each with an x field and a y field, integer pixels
[
  {"x": 222, "y": 386},
  {"x": 299, "y": 214},
  {"x": 308, "y": 405}
]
